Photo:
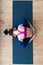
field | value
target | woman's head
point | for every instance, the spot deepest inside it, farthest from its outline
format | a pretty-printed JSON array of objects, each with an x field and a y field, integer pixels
[{"x": 10, "y": 32}]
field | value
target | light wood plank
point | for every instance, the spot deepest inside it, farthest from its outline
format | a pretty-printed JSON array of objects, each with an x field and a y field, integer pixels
[{"x": 38, "y": 24}]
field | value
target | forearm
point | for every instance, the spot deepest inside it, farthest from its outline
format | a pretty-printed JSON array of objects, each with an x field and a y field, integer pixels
[
  {"x": 30, "y": 24},
  {"x": 32, "y": 38}
]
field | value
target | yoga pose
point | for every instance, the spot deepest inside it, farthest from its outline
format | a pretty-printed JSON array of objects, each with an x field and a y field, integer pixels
[{"x": 22, "y": 31}]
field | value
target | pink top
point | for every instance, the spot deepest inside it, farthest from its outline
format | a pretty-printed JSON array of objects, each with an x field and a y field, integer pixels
[{"x": 24, "y": 32}]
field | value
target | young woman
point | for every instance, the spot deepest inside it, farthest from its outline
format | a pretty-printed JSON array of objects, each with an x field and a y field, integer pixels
[{"x": 24, "y": 31}]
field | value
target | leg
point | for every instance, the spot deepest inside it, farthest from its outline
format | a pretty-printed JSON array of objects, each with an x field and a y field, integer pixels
[{"x": 23, "y": 21}]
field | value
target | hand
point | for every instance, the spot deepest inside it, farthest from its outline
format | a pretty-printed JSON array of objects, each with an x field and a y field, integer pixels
[{"x": 14, "y": 29}]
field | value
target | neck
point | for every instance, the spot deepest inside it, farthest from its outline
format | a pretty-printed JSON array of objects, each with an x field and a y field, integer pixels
[{"x": 15, "y": 32}]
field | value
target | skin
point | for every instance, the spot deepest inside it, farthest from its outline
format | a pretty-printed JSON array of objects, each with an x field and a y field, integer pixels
[
  {"x": 34, "y": 33},
  {"x": 30, "y": 32}
]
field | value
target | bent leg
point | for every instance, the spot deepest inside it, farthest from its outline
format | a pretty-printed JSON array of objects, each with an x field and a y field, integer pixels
[{"x": 23, "y": 21}]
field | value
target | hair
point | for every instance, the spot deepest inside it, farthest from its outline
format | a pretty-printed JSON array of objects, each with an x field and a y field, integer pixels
[{"x": 10, "y": 32}]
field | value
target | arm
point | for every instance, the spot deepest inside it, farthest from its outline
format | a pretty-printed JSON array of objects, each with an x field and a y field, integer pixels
[
  {"x": 33, "y": 31},
  {"x": 34, "y": 34},
  {"x": 32, "y": 38},
  {"x": 31, "y": 25}
]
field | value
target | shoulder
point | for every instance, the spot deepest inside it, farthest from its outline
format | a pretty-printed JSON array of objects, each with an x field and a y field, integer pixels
[
  {"x": 20, "y": 39},
  {"x": 21, "y": 27}
]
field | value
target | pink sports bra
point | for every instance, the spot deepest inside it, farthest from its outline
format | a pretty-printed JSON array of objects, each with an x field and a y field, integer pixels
[{"x": 24, "y": 32}]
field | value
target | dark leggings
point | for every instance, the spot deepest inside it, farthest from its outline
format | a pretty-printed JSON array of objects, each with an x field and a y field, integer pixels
[{"x": 25, "y": 23}]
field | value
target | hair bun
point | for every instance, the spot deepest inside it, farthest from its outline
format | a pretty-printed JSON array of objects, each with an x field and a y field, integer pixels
[{"x": 6, "y": 32}]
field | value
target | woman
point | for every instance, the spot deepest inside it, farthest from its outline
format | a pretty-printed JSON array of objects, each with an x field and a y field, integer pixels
[{"x": 24, "y": 31}]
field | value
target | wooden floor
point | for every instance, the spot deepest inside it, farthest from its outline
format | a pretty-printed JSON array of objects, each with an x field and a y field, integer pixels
[{"x": 6, "y": 41}]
